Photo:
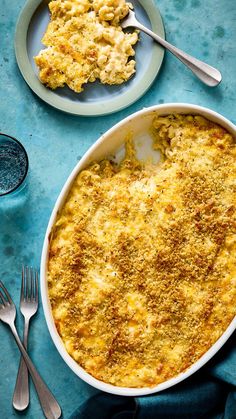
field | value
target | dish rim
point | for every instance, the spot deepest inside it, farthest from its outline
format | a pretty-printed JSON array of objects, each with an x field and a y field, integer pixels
[
  {"x": 162, "y": 109},
  {"x": 86, "y": 109}
]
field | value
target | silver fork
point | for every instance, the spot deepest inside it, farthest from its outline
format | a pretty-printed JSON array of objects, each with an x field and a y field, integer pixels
[
  {"x": 28, "y": 307},
  {"x": 50, "y": 407},
  {"x": 207, "y": 74}
]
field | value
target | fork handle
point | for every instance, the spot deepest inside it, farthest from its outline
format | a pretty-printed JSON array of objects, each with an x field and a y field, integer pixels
[
  {"x": 206, "y": 73},
  {"x": 20, "y": 399},
  {"x": 50, "y": 407}
]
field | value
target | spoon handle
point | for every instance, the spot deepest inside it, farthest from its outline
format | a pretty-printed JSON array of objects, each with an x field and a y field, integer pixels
[{"x": 207, "y": 74}]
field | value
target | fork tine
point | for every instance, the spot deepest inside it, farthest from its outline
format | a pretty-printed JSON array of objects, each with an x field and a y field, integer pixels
[
  {"x": 31, "y": 283},
  {"x": 6, "y": 292},
  {"x": 27, "y": 279},
  {"x": 36, "y": 286},
  {"x": 3, "y": 301},
  {"x": 22, "y": 293}
]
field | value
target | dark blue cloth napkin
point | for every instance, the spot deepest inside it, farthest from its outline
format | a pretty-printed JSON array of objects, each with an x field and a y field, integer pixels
[{"x": 208, "y": 394}]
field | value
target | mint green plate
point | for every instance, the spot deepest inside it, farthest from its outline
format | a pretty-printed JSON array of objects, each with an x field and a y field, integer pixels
[{"x": 96, "y": 99}]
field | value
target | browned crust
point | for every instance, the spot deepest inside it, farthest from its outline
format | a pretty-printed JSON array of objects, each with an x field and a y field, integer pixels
[{"x": 142, "y": 260}]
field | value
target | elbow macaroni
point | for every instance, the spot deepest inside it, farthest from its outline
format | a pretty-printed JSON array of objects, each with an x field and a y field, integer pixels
[
  {"x": 142, "y": 263},
  {"x": 84, "y": 42}
]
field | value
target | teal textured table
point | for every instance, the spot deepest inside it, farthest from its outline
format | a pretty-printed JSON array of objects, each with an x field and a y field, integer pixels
[{"x": 56, "y": 141}]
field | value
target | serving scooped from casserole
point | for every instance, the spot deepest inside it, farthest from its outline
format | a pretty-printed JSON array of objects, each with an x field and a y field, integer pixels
[
  {"x": 85, "y": 42},
  {"x": 141, "y": 271}
]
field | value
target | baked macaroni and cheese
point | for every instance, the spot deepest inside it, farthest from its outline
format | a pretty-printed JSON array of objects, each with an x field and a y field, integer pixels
[
  {"x": 85, "y": 42},
  {"x": 142, "y": 262}
]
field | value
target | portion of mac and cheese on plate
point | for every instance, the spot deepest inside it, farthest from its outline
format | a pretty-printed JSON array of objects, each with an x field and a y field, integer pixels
[
  {"x": 142, "y": 261},
  {"x": 85, "y": 42}
]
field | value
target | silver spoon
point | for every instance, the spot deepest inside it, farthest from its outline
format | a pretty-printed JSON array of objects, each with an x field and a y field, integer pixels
[{"x": 207, "y": 74}]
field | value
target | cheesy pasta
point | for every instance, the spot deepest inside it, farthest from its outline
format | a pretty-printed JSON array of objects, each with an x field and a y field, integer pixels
[
  {"x": 84, "y": 42},
  {"x": 142, "y": 263}
]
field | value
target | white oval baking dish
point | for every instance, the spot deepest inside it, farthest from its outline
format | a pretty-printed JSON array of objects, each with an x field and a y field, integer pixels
[{"x": 107, "y": 145}]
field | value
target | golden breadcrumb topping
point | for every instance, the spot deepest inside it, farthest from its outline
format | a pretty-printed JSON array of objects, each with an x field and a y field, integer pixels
[
  {"x": 84, "y": 42},
  {"x": 142, "y": 264}
]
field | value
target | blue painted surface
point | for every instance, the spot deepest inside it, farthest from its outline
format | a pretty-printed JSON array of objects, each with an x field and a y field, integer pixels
[{"x": 56, "y": 141}]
